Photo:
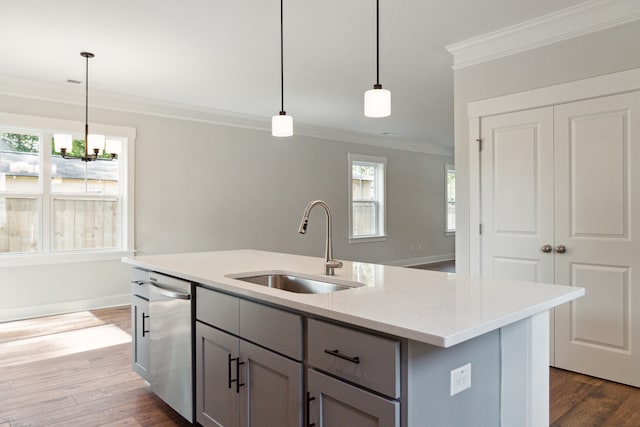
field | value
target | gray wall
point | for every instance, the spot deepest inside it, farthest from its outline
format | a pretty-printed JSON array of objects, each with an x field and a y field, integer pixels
[
  {"x": 603, "y": 52},
  {"x": 200, "y": 186}
]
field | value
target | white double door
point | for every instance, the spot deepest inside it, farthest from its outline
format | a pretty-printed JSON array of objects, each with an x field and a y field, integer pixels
[{"x": 560, "y": 203}]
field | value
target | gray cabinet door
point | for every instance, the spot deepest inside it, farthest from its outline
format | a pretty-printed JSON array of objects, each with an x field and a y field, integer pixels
[
  {"x": 272, "y": 394},
  {"x": 140, "y": 333},
  {"x": 217, "y": 396},
  {"x": 337, "y": 404}
]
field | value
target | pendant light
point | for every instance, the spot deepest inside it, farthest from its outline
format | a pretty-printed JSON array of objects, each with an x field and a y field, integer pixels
[
  {"x": 92, "y": 142},
  {"x": 282, "y": 124},
  {"x": 377, "y": 101}
]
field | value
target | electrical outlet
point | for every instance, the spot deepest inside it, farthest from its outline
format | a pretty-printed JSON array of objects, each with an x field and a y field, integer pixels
[{"x": 460, "y": 379}]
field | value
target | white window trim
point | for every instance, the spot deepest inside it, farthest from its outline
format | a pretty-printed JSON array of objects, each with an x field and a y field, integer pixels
[
  {"x": 447, "y": 168},
  {"x": 50, "y": 125},
  {"x": 352, "y": 157}
]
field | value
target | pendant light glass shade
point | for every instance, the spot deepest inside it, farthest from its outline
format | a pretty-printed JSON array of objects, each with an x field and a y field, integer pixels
[
  {"x": 377, "y": 102},
  {"x": 282, "y": 125}
]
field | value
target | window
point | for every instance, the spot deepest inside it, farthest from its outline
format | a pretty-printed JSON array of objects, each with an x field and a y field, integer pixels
[
  {"x": 53, "y": 206},
  {"x": 366, "y": 198},
  {"x": 450, "y": 195}
]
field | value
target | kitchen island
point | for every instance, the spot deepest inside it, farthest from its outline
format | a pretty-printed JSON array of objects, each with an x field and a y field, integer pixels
[{"x": 470, "y": 350}]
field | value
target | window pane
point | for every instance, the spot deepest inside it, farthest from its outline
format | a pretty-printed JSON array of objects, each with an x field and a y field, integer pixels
[
  {"x": 363, "y": 182},
  {"x": 19, "y": 162},
  {"x": 451, "y": 200},
  {"x": 365, "y": 218},
  {"x": 19, "y": 226},
  {"x": 85, "y": 224},
  {"x": 76, "y": 176}
]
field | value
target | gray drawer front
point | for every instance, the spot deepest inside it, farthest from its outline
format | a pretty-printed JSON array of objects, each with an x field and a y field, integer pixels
[
  {"x": 378, "y": 366},
  {"x": 272, "y": 328},
  {"x": 139, "y": 283},
  {"x": 218, "y": 309}
]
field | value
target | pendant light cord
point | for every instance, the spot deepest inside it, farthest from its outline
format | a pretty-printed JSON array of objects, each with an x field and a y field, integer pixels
[
  {"x": 86, "y": 109},
  {"x": 281, "y": 59},
  {"x": 377, "y": 42}
]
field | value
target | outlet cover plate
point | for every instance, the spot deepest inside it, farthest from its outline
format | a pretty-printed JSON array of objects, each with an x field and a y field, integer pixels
[{"x": 460, "y": 379}]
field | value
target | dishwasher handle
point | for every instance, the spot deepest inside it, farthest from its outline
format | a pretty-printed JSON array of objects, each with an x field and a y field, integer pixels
[{"x": 168, "y": 292}]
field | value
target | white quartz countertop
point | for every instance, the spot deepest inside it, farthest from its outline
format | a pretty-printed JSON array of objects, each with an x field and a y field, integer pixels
[{"x": 443, "y": 309}]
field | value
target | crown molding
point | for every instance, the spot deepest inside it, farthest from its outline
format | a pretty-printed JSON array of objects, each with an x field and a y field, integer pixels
[
  {"x": 50, "y": 92},
  {"x": 578, "y": 20}
]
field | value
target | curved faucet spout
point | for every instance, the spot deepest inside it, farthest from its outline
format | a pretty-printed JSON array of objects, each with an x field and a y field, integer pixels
[{"x": 329, "y": 263}]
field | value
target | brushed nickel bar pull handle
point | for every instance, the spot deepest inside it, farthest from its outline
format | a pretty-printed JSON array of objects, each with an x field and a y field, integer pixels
[
  {"x": 168, "y": 292},
  {"x": 336, "y": 353}
]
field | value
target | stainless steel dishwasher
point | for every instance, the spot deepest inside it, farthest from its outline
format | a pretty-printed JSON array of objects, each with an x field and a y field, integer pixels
[{"x": 171, "y": 342}]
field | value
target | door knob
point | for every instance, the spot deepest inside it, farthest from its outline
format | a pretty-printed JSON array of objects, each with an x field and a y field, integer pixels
[
  {"x": 546, "y": 248},
  {"x": 561, "y": 249}
]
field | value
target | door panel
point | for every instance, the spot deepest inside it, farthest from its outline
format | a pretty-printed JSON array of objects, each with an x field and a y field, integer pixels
[
  {"x": 593, "y": 175},
  {"x": 598, "y": 150},
  {"x": 517, "y": 268},
  {"x": 517, "y": 195},
  {"x": 597, "y": 199},
  {"x": 515, "y": 151},
  {"x": 603, "y": 318}
]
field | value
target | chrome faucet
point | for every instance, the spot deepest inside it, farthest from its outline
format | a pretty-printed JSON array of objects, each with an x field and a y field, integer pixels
[{"x": 329, "y": 263}]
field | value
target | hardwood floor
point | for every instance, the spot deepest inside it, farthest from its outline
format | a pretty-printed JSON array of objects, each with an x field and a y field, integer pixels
[
  {"x": 446, "y": 266},
  {"x": 75, "y": 370},
  {"x": 579, "y": 401}
]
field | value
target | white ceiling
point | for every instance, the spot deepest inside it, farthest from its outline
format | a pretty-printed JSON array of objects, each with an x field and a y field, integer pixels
[{"x": 224, "y": 55}]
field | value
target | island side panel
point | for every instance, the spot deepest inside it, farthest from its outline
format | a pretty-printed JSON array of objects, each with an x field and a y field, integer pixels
[
  {"x": 525, "y": 372},
  {"x": 428, "y": 398}
]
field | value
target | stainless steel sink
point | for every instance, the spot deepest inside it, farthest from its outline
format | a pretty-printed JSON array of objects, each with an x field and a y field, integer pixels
[{"x": 297, "y": 284}]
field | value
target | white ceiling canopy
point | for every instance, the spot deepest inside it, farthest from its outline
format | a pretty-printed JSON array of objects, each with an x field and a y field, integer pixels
[{"x": 223, "y": 56}]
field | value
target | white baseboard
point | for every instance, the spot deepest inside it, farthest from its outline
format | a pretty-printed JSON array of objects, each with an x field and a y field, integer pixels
[
  {"x": 423, "y": 260},
  {"x": 18, "y": 313}
]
